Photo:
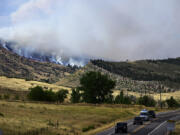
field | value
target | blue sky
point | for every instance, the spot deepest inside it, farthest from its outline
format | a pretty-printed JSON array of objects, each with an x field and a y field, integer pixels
[{"x": 6, "y": 8}]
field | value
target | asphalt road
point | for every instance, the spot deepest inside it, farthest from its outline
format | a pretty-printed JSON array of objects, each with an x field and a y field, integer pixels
[{"x": 155, "y": 126}]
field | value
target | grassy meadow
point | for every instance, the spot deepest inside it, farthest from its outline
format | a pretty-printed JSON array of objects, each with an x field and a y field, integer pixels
[
  {"x": 177, "y": 128},
  {"x": 39, "y": 118},
  {"x": 20, "y": 117}
]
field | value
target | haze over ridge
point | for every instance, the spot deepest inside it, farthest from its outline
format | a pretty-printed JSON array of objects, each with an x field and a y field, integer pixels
[{"x": 112, "y": 30}]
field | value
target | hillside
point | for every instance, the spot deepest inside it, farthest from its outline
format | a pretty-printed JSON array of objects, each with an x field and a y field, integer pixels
[
  {"x": 15, "y": 66},
  {"x": 14, "y": 87},
  {"x": 23, "y": 85},
  {"x": 122, "y": 83},
  {"x": 138, "y": 76},
  {"x": 166, "y": 71}
]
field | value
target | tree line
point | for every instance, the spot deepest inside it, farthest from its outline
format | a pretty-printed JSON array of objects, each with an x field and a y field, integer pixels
[
  {"x": 39, "y": 94},
  {"x": 139, "y": 71},
  {"x": 94, "y": 88}
]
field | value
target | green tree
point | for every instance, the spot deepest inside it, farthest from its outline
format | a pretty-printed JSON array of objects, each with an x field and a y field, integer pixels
[
  {"x": 36, "y": 94},
  {"x": 61, "y": 95},
  {"x": 147, "y": 101},
  {"x": 109, "y": 99},
  {"x": 50, "y": 96},
  {"x": 121, "y": 99},
  {"x": 172, "y": 102},
  {"x": 127, "y": 100},
  {"x": 96, "y": 88},
  {"x": 75, "y": 96}
]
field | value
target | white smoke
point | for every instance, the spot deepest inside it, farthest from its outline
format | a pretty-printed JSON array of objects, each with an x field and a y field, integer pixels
[{"x": 108, "y": 29}]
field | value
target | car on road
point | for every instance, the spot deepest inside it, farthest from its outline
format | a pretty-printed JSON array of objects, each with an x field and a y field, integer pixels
[
  {"x": 144, "y": 114},
  {"x": 121, "y": 127},
  {"x": 152, "y": 114},
  {"x": 138, "y": 120}
]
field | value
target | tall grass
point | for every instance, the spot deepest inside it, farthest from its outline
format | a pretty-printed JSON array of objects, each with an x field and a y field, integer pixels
[{"x": 71, "y": 119}]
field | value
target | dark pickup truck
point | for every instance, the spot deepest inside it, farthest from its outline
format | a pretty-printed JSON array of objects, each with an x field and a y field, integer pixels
[
  {"x": 121, "y": 127},
  {"x": 138, "y": 120},
  {"x": 152, "y": 114}
]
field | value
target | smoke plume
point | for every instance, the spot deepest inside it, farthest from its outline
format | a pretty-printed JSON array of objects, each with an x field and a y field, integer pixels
[{"x": 108, "y": 29}]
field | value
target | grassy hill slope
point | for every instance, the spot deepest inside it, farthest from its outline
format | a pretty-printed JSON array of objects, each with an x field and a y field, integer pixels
[
  {"x": 23, "y": 85},
  {"x": 18, "y": 88},
  {"x": 15, "y": 66},
  {"x": 122, "y": 83},
  {"x": 166, "y": 71}
]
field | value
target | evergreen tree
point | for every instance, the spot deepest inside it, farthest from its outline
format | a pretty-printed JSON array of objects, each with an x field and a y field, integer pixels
[
  {"x": 75, "y": 96},
  {"x": 172, "y": 102},
  {"x": 61, "y": 95},
  {"x": 147, "y": 101}
]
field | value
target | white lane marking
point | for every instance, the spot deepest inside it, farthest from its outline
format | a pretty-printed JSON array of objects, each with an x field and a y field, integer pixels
[
  {"x": 130, "y": 123},
  {"x": 156, "y": 128}
]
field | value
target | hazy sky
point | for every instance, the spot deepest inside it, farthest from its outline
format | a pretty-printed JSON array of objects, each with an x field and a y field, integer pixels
[{"x": 109, "y": 29}]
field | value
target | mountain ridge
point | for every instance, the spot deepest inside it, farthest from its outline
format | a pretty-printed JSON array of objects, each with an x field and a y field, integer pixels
[
  {"x": 166, "y": 71},
  {"x": 132, "y": 76},
  {"x": 34, "y": 54},
  {"x": 14, "y": 66}
]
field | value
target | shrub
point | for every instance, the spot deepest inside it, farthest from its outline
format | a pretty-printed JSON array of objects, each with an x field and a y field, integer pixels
[
  {"x": 1, "y": 114},
  {"x": 16, "y": 97},
  {"x": 6, "y": 96},
  {"x": 75, "y": 96},
  {"x": 61, "y": 95},
  {"x": 50, "y": 96},
  {"x": 109, "y": 99},
  {"x": 127, "y": 100},
  {"x": 147, "y": 101},
  {"x": 38, "y": 94},
  {"x": 172, "y": 102},
  {"x": 121, "y": 99},
  {"x": 88, "y": 128},
  {"x": 50, "y": 123},
  {"x": 21, "y": 106}
]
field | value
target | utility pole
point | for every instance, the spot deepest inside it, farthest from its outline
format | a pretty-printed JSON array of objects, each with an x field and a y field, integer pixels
[
  {"x": 160, "y": 88},
  {"x": 145, "y": 89},
  {"x": 160, "y": 98},
  {"x": 141, "y": 91}
]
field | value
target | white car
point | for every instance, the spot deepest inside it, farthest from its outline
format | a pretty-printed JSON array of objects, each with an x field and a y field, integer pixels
[{"x": 144, "y": 114}]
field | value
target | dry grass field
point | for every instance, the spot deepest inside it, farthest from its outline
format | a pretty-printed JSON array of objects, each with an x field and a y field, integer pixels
[
  {"x": 177, "y": 130},
  {"x": 51, "y": 119},
  {"x": 24, "y": 118},
  {"x": 23, "y": 85}
]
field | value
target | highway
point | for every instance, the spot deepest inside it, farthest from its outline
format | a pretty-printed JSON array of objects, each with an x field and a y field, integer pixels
[{"x": 155, "y": 126}]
